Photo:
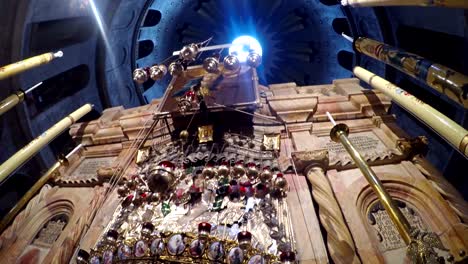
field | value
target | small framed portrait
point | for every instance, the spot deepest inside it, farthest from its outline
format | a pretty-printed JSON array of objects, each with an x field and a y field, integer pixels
[
  {"x": 176, "y": 244},
  {"x": 140, "y": 248}
]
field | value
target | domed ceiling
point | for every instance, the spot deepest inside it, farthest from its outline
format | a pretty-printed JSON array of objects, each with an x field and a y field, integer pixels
[
  {"x": 298, "y": 39},
  {"x": 105, "y": 40}
]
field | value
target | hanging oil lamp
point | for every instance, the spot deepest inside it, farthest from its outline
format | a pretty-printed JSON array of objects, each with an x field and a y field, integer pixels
[
  {"x": 82, "y": 257},
  {"x": 140, "y": 75},
  {"x": 157, "y": 72},
  {"x": 147, "y": 229},
  {"x": 280, "y": 182},
  {"x": 161, "y": 177},
  {"x": 261, "y": 190},
  {"x": 204, "y": 230},
  {"x": 238, "y": 169},
  {"x": 111, "y": 241},
  {"x": 127, "y": 201},
  {"x": 287, "y": 257},
  {"x": 209, "y": 171},
  {"x": 211, "y": 65},
  {"x": 252, "y": 171},
  {"x": 245, "y": 239},
  {"x": 254, "y": 59},
  {"x": 223, "y": 169},
  {"x": 266, "y": 174}
]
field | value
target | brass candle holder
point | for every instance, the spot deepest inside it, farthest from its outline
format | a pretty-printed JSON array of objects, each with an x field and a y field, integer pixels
[{"x": 420, "y": 245}]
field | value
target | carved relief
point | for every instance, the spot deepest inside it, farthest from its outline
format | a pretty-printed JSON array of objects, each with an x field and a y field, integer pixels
[
  {"x": 304, "y": 159},
  {"x": 51, "y": 231},
  {"x": 386, "y": 231}
]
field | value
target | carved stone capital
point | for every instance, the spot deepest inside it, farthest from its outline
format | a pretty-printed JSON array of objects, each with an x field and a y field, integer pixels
[
  {"x": 413, "y": 146},
  {"x": 305, "y": 160}
]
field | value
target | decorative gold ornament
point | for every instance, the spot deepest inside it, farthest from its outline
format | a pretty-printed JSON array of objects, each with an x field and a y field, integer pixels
[
  {"x": 272, "y": 142},
  {"x": 205, "y": 134},
  {"x": 421, "y": 249},
  {"x": 175, "y": 68},
  {"x": 211, "y": 65},
  {"x": 189, "y": 52},
  {"x": 140, "y": 76},
  {"x": 183, "y": 135},
  {"x": 143, "y": 154},
  {"x": 157, "y": 72}
]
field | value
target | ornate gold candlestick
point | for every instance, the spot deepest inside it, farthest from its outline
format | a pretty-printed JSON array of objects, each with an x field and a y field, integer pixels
[
  {"x": 15, "y": 99},
  {"x": 27, "y": 64},
  {"x": 455, "y": 134},
  {"x": 38, "y": 143},
  {"x": 420, "y": 244},
  {"x": 440, "y": 78}
]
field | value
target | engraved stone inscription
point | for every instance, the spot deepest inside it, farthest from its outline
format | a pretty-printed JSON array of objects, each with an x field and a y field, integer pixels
[
  {"x": 367, "y": 143},
  {"x": 386, "y": 231},
  {"x": 362, "y": 143},
  {"x": 88, "y": 167}
]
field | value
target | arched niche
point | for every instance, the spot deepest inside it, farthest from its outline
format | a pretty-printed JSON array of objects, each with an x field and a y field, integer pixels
[
  {"x": 43, "y": 229},
  {"x": 427, "y": 204},
  {"x": 51, "y": 203}
]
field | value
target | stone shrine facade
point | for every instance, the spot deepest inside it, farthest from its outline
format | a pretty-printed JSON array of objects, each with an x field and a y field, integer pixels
[{"x": 335, "y": 214}]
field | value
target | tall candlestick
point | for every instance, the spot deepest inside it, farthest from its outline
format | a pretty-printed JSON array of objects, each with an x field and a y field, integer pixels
[
  {"x": 38, "y": 143},
  {"x": 444, "y": 126},
  {"x": 339, "y": 133},
  {"x": 441, "y": 78},
  {"x": 420, "y": 244},
  {"x": 14, "y": 99},
  {"x": 27, "y": 64},
  {"x": 49, "y": 174}
]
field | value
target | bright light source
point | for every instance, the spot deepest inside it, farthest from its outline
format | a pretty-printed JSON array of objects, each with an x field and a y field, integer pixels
[{"x": 243, "y": 45}]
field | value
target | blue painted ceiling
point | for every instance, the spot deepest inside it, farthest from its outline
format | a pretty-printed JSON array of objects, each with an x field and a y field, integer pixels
[{"x": 297, "y": 36}]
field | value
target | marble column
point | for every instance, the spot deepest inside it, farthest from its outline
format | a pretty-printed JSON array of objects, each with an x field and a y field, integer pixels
[{"x": 340, "y": 243}]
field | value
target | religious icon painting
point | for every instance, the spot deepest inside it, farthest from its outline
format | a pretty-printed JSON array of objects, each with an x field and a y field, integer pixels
[
  {"x": 257, "y": 259},
  {"x": 216, "y": 251},
  {"x": 95, "y": 260},
  {"x": 143, "y": 154},
  {"x": 107, "y": 257},
  {"x": 176, "y": 244},
  {"x": 124, "y": 252},
  {"x": 196, "y": 248},
  {"x": 235, "y": 256},
  {"x": 205, "y": 134},
  {"x": 157, "y": 247},
  {"x": 140, "y": 248},
  {"x": 272, "y": 142}
]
